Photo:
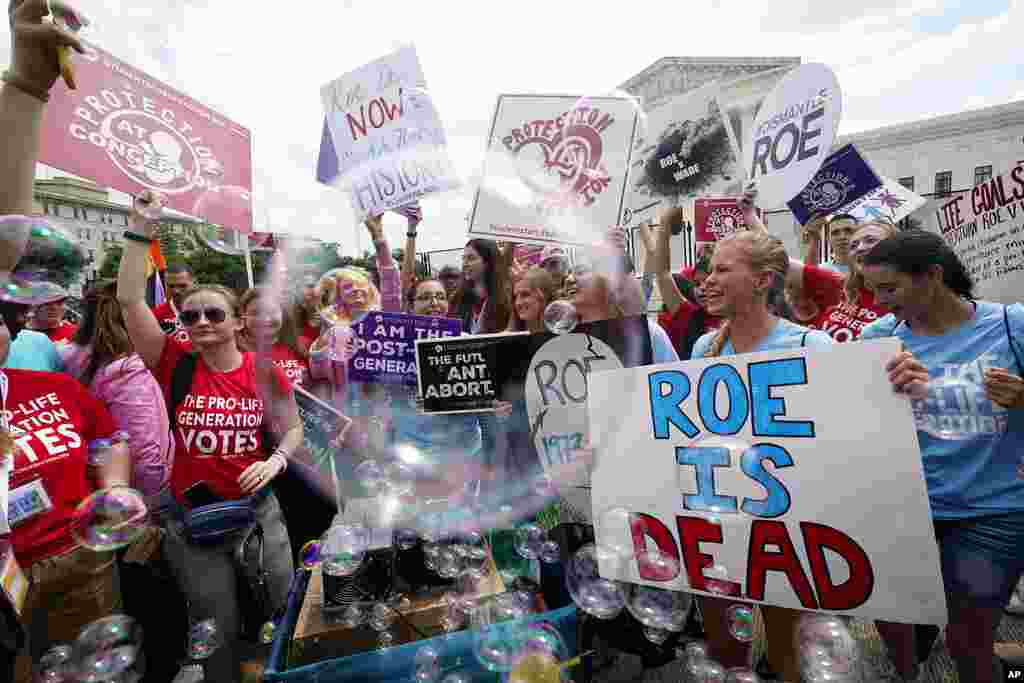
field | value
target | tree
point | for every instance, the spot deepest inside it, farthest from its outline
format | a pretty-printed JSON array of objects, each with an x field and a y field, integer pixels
[
  {"x": 111, "y": 262},
  {"x": 215, "y": 268}
]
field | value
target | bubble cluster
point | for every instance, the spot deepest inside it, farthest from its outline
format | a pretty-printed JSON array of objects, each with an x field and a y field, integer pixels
[
  {"x": 656, "y": 608},
  {"x": 106, "y": 649},
  {"x": 109, "y": 519},
  {"x": 56, "y": 666},
  {"x": 344, "y": 548},
  {"x": 826, "y": 649},
  {"x": 52, "y": 260},
  {"x": 204, "y": 638},
  {"x": 560, "y": 317},
  {"x": 550, "y": 552},
  {"x": 528, "y": 541}
]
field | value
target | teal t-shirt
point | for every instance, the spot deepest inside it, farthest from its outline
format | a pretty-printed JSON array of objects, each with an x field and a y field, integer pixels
[
  {"x": 970, "y": 446},
  {"x": 33, "y": 351},
  {"x": 785, "y": 335}
]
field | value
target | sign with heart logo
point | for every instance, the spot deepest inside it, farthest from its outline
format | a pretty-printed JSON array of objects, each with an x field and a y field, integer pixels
[{"x": 556, "y": 169}]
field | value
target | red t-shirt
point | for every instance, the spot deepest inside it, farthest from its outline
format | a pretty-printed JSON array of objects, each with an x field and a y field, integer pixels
[
  {"x": 675, "y": 324},
  {"x": 310, "y": 333},
  {"x": 63, "y": 333},
  {"x": 294, "y": 366},
  {"x": 52, "y": 418},
  {"x": 218, "y": 423},
  {"x": 844, "y": 322},
  {"x": 169, "y": 323}
]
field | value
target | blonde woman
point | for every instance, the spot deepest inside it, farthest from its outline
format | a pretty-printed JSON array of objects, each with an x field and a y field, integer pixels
[{"x": 530, "y": 297}]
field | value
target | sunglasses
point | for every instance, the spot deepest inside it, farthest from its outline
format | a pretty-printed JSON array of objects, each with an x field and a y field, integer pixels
[{"x": 214, "y": 315}]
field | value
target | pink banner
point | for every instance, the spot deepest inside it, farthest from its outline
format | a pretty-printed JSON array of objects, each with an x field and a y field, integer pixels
[
  {"x": 715, "y": 218},
  {"x": 125, "y": 130}
]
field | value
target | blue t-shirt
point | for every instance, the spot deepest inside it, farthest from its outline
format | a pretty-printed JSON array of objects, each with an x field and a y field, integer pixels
[
  {"x": 974, "y": 473},
  {"x": 33, "y": 351},
  {"x": 785, "y": 335}
]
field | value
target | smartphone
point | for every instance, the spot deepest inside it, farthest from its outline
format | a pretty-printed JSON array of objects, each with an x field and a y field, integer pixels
[{"x": 201, "y": 494}]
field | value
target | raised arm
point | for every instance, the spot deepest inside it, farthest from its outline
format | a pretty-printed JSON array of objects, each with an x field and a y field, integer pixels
[
  {"x": 413, "y": 215},
  {"x": 660, "y": 240},
  {"x": 143, "y": 327},
  {"x": 390, "y": 283}
]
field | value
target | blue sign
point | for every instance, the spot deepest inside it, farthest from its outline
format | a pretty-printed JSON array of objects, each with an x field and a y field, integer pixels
[
  {"x": 384, "y": 345},
  {"x": 844, "y": 178}
]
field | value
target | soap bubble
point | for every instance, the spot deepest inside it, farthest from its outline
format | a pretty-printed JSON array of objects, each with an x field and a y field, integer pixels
[
  {"x": 371, "y": 476},
  {"x": 656, "y": 608},
  {"x": 406, "y": 538},
  {"x": 400, "y": 478},
  {"x": 107, "y": 632},
  {"x": 352, "y": 616},
  {"x": 741, "y": 675},
  {"x": 655, "y": 565},
  {"x": 475, "y": 564},
  {"x": 449, "y": 565},
  {"x": 381, "y": 617},
  {"x": 695, "y": 649},
  {"x": 267, "y": 632},
  {"x": 952, "y": 407},
  {"x": 203, "y": 639},
  {"x": 109, "y": 519},
  {"x": 427, "y": 673},
  {"x": 550, "y": 553},
  {"x": 428, "y": 654},
  {"x": 716, "y": 580},
  {"x": 227, "y": 206},
  {"x": 56, "y": 666},
  {"x": 51, "y": 262},
  {"x": 509, "y": 606},
  {"x": 740, "y": 619},
  {"x": 401, "y": 602},
  {"x": 601, "y": 598},
  {"x": 827, "y": 650},
  {"x": 309, "y": 554},
  {"x": 536, "y": 667},
  {"x": 496, "y": 639},
  {"x": 385, "y": 639},
  {"x": 106, "y": 665},
  {"x": 431, "y": 554},
  {"x": 560, "y": 317},
  {"x": 707, "y": 671},
  {"x": 528, "y": 541},
  {"x": 344, "y": 548}
]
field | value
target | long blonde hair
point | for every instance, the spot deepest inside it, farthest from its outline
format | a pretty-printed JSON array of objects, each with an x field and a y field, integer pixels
[
  {"x": 855, "y": 280},
  {"x": 536, "y": 279},
  {"x": 332, "y": 299},
  {"x": 765, "y": 254}
]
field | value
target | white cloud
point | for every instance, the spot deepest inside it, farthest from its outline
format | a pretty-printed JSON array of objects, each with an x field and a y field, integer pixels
[{"x": 263, "y": 67}]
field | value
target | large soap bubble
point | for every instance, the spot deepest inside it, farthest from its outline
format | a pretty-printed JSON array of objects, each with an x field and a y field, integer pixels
[
  {"x": 599, "y": 597},
  {"x": 109, "y": 519}
]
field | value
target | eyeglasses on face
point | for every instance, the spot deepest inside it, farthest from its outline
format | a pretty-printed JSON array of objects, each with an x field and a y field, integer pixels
[
  {"x": 214, "y": 315},
  {"x": 436, "y": 296}
]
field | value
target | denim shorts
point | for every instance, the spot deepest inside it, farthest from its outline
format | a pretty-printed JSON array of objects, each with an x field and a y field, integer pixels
[{"x": 982, "y": 558}]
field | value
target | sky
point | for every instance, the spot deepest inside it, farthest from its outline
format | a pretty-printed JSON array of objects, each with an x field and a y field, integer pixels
[{"x": 263, "y": 67}]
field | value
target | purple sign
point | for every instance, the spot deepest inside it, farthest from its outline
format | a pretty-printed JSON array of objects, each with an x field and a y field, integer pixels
[
  {"x": 844, "y": 177},
  {"x": 385, "y": 345}
]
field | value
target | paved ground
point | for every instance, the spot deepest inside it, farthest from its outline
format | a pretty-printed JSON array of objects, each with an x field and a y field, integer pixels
[{"x": 938, "y": 668}]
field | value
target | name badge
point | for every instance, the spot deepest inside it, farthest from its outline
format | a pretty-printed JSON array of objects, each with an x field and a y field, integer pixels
[
  {"x": 13, "y": 582},
  {"x": 28, "y": 501}
]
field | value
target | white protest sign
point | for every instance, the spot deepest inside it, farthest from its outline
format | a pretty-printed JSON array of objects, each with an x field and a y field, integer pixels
[
  {"x": 793, "y": 133},
  {"x": 891, "y": 201},
  {"x": 764, "y": 487},
  {"x": 555, "y": 171},
  {"x": 388, "y": 139},
  {"x": 985, "y": 227}
]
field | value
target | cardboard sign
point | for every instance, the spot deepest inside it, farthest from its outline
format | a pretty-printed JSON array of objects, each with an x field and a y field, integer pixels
[
  {"x": 763, "y": 487},
  {"x": 385, "y": 351},
  {"x": 126, "y": 130},
  {"x": 793, "y": 133},
  {"x": 555, "y": 171},
  {"x": 382, "y": 140},
  {"x": 844, "y": 178},
  {"x": 715, "y": 218},
  {"x": 686, "y": 152},
  {"x": 985, "y": 227}
]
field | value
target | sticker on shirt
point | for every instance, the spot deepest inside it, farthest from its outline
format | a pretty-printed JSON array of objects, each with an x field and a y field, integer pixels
[
  {"x": 43, "y": 429},
  {"x": 28, "y": 501},
  {"x": 957, "y": 407},
  {"x": 292, "y": 369},
  {"x": 218, "y": 426}
]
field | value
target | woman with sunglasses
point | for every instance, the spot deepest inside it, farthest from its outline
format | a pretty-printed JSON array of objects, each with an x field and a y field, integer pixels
[
  {"x": 268, "y": 325},
  {"x": 219, "y": 428}
]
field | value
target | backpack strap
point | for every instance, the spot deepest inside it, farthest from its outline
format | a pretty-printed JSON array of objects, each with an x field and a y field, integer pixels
[
  {"x": 803, "y": 338},
  {"x": 1009, "y": 337},
  {"x": 181, "y": 383}
]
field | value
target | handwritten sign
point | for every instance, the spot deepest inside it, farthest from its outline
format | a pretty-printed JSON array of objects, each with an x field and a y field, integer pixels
[
  {"x": 747, "y": 471},
  {"x": 843, "y": 179},
  {"x": 383, "y": 141},
  {"x": 555, "y": 171},
  {"x": 793, "y": 133},
  {"x": 384, "y": 345},
  {"x": 985, "y": 226}
]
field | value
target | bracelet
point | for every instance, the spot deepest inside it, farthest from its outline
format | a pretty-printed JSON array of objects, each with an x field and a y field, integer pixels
[
  {"x": 279, "y": 456},
  {"x": 136, "y": 237},
  {"x": 411, "y": 235},
  {"x": 25, "y": 86}
]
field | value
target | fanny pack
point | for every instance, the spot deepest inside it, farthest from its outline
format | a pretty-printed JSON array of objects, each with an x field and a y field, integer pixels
[
  {"x": 255, "y": 606},
  {"x": 214, "y": 523}
]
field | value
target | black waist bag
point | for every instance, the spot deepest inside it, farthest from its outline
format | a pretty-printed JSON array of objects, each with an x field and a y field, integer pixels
[
  {"x": 217, "y": 522},
  {"x": 254, "y": 604}
]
